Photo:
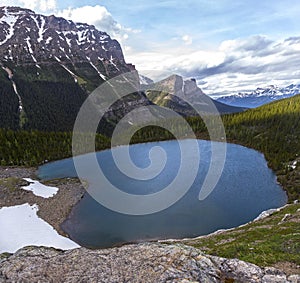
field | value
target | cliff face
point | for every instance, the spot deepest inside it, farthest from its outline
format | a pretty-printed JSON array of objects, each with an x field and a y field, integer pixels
[{"x": 132, "y": 263}]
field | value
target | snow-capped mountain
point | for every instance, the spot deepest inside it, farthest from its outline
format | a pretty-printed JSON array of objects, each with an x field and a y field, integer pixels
[
  {"x": 26, "y": 37},
  {"x": 259, "y": 96},
  {"x": 49, "y": 65}
]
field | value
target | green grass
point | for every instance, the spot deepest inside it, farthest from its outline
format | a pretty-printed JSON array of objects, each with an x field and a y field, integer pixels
[
  {"x": 12, "y": 183},
  {"x": 81, "y": 81},
  {"x": 264, "y": 242}
]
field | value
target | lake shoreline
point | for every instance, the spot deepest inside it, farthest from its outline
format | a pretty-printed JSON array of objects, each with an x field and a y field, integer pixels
[
  {"x": 54, "y": 210},
  {"x": 71, "y": 191}
]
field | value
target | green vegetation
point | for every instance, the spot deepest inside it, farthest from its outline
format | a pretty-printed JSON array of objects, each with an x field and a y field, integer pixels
[
  {"x": 275, "y": 239},
  {"x": 273, "y": 129},
  {"x": 50, "y": 106},
  {"x": 12, "y": 183},
  {"x": 50, "y": 96},
  {"x": 31, "y": 148},
  {"x": 9, "y": 103}
]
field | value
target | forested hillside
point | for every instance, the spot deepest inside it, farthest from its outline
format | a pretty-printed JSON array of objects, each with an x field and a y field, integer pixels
[
  {"x": 31, "y": 148},
  {"x": 273, "y": 129}
]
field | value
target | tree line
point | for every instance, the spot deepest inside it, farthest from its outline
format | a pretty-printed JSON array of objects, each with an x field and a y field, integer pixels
[{"x": 273, "y": 129}]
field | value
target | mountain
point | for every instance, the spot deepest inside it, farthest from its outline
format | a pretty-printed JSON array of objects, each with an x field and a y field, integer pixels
[
  {"x": 173, "y": 91},
  {"x": 145, "y": 80},
  {"x": 48, "y": 67},
  {"x": 259, "y": 96},
  {"x": 32, "y": 39}
]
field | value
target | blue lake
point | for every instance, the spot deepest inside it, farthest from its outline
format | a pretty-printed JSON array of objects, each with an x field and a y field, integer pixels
[{"x": 245, "y": 189}]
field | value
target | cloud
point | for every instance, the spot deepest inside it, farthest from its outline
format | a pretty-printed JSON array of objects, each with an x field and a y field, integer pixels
[
  {"x": 101, "y": 18},
  {"x": 36, "y": 5},
  {"x": 188, "y": 40},
  {"x": 236, "y": 65},
  {"x": 255, "y": 43}
]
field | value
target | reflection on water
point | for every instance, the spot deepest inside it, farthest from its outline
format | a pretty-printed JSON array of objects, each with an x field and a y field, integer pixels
[{"x": 246, "y": 188}]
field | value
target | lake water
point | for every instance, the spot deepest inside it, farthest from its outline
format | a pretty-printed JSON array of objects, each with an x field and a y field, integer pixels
[{"x": 246, "y": 188}]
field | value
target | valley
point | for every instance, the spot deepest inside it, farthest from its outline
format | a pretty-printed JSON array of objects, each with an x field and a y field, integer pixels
[{"x": 49, "y": 67}]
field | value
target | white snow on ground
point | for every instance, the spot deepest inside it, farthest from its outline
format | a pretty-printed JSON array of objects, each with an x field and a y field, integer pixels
[
  {"x": 41, "y": 27},
  {"x": 48, "y": 40},
  {"x": 10, "y": 20},
  {"x": 73, "y": 75},
  {"x": 21, "y": 227},
  {"x": 101, "y": 76},
  {"x": 39, "y": 189},
  {"x": 30, "y": 49}
]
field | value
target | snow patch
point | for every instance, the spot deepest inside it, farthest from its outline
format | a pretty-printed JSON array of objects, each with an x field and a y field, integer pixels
[
  {"x": 101, "y": 75},
  {"x": 113, "y": 63},
  {"x": 57, "y": 59},
  {"x": 30, "y": 49},
  {"x": 39, "y": 189},
  {"x": 48, "y": 40},
  {"x": 82, "y": 37},
  {"x": 293, "y": 165},
  {"x": 69, "y": 42},
  {"x": 144, "y": 80},
  {"x": 73, "y": 75},
  {"x": 41, "y": 27},
  {"x": 21, "y": 227},
  {"x": 9, "y": 19},
  {"x": 266, "y": 213}
]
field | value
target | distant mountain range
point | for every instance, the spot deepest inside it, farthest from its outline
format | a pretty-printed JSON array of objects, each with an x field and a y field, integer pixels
[{"x": 259, "y": 96}]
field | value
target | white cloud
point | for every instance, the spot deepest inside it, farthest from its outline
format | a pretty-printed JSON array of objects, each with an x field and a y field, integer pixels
[
  {"x": 101, "y": 18},
  {"x": 236, "y": 65},
  {"x": 36, "y": 5},
  {"x": 188, "y": 40}
]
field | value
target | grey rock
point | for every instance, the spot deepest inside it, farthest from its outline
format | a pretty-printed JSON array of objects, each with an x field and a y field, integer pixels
[
  {"x": 147, "y": 262},
  {"x": 294, "y": 279}
]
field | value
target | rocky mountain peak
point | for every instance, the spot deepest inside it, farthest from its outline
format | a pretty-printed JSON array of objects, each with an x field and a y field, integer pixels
[
  {"x": 30, "y": 38},
  {"x": 48, "y": 67},
  {"x": 176, "y": 85}
]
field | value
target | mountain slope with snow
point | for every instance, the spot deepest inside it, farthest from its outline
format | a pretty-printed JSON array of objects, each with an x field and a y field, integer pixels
[
  {"x": 29, "y": 38},
  {"x": 259, "y": 96},
  {"x": 48, "y": 67}
]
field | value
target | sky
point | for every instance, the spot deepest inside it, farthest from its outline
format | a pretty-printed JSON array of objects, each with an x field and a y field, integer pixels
[{"x": 227, "y": 46}]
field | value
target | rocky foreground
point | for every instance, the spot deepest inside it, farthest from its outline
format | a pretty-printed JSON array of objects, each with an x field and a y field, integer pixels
[{"x": 149, "y": 262}]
